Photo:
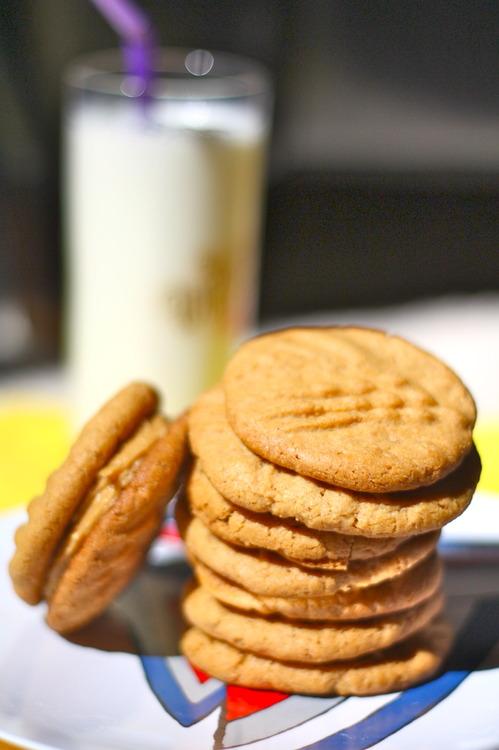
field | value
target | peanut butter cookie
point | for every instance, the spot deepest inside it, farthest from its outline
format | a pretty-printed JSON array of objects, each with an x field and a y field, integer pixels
[
  {"x": 87, "y": 533},
  {"x": 288, "y": 538},
  {"x": 262, "y": 487},
  {"x": 355, "y": 408},
  {"x": 306, "y": 642},
  {"x": 268, "y": 574},
  {"x": 395, "y": 669},
  {"x": 394, "y": 595}
]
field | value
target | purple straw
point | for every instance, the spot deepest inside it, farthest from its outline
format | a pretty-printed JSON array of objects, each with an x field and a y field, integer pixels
[{"x": 138, "y": 39}]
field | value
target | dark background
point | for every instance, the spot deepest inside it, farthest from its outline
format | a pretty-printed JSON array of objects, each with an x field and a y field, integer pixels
[{"x": 383, "y": 176}]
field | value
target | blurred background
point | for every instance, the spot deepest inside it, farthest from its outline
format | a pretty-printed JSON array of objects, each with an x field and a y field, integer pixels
[{"x": 384, "y": 164}]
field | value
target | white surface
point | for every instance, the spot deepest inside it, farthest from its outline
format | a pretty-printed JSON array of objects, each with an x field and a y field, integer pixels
[
  {"x": 59, "y": 695},
  {"x": 479, "y": 524}
]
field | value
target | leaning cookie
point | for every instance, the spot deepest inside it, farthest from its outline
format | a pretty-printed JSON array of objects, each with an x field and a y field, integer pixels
[{"x": 89, "y": 530}]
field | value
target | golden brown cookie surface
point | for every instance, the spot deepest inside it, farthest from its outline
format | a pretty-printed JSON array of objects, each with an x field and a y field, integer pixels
[
  {"x": 115, "y": 545},
  {"x": 395, "y": 595},
  {"x": 259, "y": 486},
  {"x": 50, "y": 513},
  {"x": 268, "y": 574},
  {"x": 395, "y": 669},
  {"x": 88, "y": 532},
  {"x": 355, "y": 408},
  {"x": 290, "y": 539},
  {"x": 296, "y": 640}
]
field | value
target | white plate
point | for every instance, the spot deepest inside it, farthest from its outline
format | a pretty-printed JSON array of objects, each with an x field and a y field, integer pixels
[{"x": 61, "y": 695}]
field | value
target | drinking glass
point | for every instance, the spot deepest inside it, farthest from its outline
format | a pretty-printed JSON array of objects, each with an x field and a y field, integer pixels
[{"x": 163, "y": 199}]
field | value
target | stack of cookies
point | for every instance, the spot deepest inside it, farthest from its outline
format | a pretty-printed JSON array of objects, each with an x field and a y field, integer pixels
[{"x": 325, "y": 465}]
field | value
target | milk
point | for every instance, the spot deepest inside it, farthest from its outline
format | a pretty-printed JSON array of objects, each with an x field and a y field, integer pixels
[{"x": 162, "y": 228}]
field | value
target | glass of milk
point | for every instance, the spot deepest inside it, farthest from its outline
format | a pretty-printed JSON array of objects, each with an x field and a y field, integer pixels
[{"x": 163, "y": 198}]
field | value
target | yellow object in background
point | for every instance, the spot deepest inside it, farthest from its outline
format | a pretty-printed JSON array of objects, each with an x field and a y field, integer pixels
[
  {"x": 487, "y": 441},
  {"x": 35, "y": 438}
]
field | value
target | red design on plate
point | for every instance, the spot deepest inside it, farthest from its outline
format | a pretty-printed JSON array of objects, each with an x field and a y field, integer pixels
[
  {"x": 202, "y": 676},
  {"x": 243, "y": 701}
]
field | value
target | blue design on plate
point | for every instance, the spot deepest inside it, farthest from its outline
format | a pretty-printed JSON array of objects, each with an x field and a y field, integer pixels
[
  {"x": 170, "y": 693},
  {"x": 478, "y": 637}
]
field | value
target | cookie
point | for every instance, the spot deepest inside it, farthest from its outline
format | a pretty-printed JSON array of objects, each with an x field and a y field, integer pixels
[
  {"x": 117, "y": 479},
  {"x": 392, "y": 670},
  {"x": 259, "y": 486},
  {"x": 50, "y": 514},
  {"x": 296, "y": 640},
  {"x": 294, "y": 541},
  {"x": 355, "y": 408},
  {"x": 395, "y": 595},
  {"x": 268, "y": 574}
]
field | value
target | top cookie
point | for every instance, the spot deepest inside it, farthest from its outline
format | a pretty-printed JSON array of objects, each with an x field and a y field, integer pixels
[
  {"x": 352, "y": 407},
  {"x": 262, "y": 487}
]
